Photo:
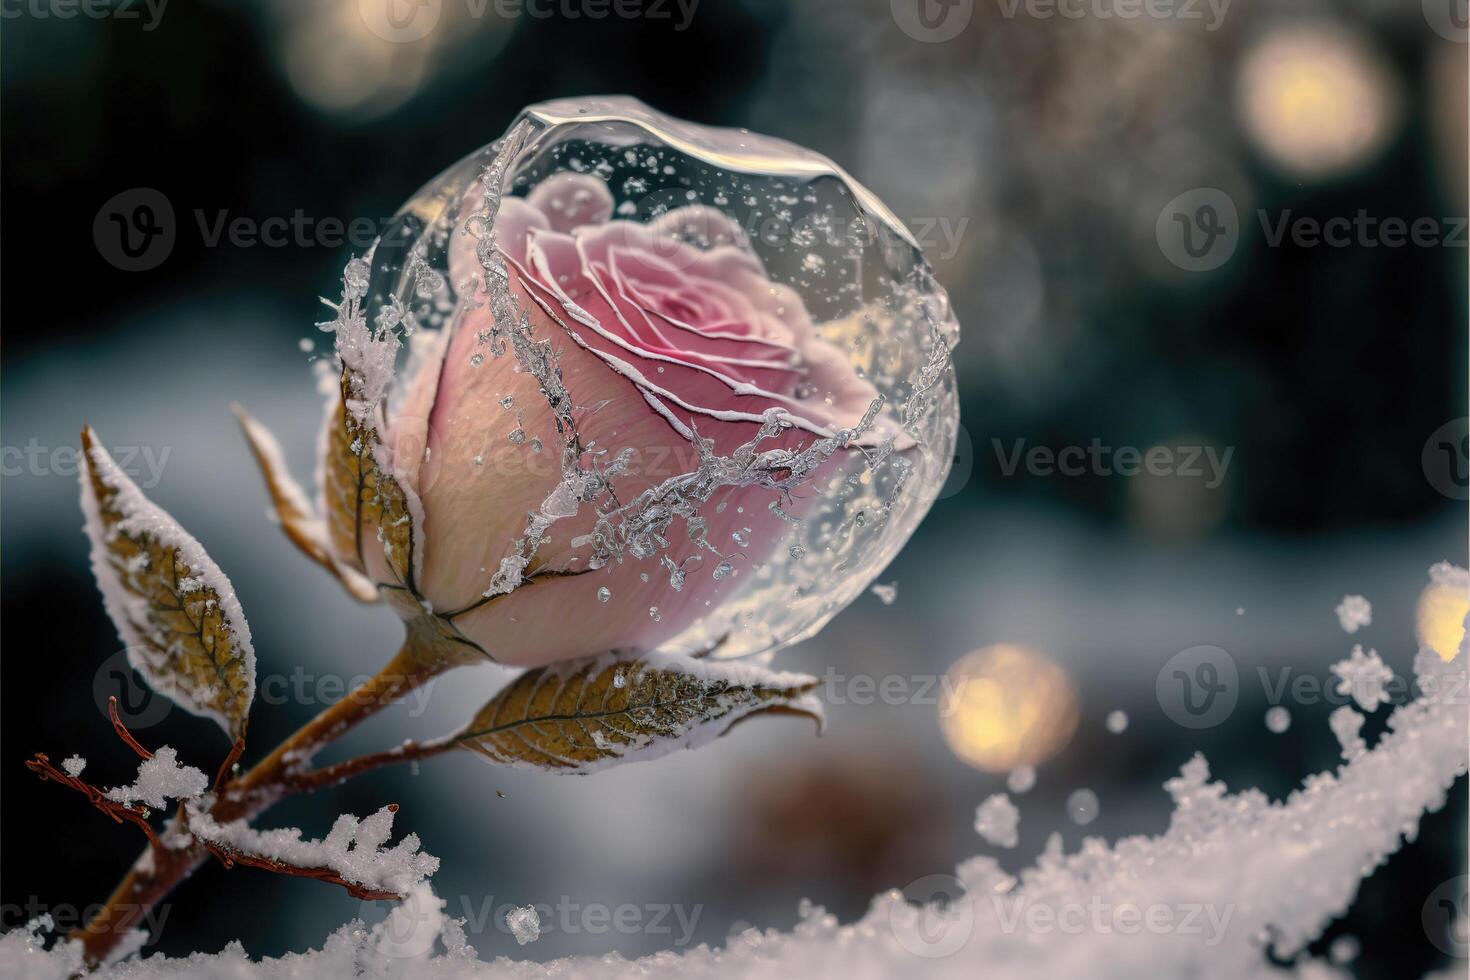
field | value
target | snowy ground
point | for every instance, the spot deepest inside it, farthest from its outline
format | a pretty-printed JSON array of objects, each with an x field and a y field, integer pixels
[{"x": 1234, "y": 875}]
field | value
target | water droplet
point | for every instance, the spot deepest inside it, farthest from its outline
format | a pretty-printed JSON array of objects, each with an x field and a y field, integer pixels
[
  {"x": 476, "y": 359},
  {"x": 535, "y": 445},
  {"x": 507, "y": 402},
  {"x": 653, "y": 614},
  {"x": 797, "y": 552},
  {"x": 1082, "y": 807},
  {"x": 604, "y": 594},
  {"x": 1117, "y": 722},
  {"x": 741, "y": 537},
  {"x": 517, "y": 436},
  {"x": 1278, "y": 719},
  {"x": 619, "y": 681},
  {"x": 724, "y": 570}
]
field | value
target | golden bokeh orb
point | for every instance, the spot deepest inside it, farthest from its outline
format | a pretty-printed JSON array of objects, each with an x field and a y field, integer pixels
[
  {"x": 1439, "y": 619},
  {"x": 1006, "y": 706},
  {"x": 1317, "y": 100}
]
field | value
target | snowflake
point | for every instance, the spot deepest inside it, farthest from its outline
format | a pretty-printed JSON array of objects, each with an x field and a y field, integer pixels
[
  {"x": 996, "y": 820},
  {"x": 1354, "y": 612},
  {"x": 1363, "y": 676}
]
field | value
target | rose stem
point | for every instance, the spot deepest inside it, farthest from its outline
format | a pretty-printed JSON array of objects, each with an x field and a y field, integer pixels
[{"x": 159, "y": 870}]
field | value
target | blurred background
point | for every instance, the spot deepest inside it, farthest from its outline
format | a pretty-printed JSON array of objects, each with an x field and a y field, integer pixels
[{"x": 1122, "y": 210}]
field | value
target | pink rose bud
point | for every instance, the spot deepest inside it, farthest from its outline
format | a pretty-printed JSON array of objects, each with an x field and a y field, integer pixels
[{"x": 678, "y": 477}]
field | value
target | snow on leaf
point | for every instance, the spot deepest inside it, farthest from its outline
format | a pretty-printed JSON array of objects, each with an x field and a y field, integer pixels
[
  {"x": 173, "y": 607},
  {"x": 584, "y": 715},
  {"x": 294, "y": 511}
]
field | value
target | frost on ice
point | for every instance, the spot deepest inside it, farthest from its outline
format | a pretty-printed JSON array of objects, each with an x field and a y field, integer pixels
[
  {"x": 1364, "y": 677},
  {"x": 1354, "y": 612},
  {"x": 997, "y": 820}
]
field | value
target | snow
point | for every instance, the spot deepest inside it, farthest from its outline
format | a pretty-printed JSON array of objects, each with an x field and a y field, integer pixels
[
  {"x": 1363, "y": 676},
  {"x": 1346, "y": 724},
  {"x": 524, "y": 924},
  {"x": 886, "y": 593},
  {"x": 1021, "y": 779},
  {"x": 1211, "y": 895},
  {"x": 412, "y": 927},
  {"x": 996, "y": 820},
  {"x": 73, "y": 765},
  {"x": 354, "y": 848},
  {"x": 160, "y": 779},
  {"x": 1354, "y": 612}
]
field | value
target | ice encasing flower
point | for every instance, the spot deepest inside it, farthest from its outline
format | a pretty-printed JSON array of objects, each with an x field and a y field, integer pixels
[{"x": 712, "y": 421}]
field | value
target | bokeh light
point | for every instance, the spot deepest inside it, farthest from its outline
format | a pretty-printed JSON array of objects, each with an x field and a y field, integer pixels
[
  {"x": 1317, "y": 100},
  {"x": 1006, "y": 706},
  {"x": 1439, "y": 619}
]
